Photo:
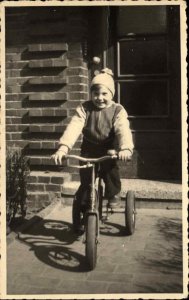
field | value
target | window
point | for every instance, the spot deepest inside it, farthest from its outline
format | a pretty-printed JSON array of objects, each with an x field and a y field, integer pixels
[{"x": 142, "y": 61}]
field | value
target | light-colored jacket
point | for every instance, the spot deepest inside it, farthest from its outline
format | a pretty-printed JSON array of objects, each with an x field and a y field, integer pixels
[{"x": 99, "y": 126}]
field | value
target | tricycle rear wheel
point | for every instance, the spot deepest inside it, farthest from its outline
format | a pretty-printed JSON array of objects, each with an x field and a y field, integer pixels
[{"x": 130, "y": 213}]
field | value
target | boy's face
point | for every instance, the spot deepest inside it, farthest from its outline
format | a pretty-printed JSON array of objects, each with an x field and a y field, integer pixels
[{"x": 101, "y": 97}]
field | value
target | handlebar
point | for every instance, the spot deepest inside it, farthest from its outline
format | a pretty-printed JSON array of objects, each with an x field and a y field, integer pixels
[{"x": 92, "y": 160}]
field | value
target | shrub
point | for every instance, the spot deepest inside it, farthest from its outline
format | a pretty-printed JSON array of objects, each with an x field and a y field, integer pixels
[{"x": 17, "y": 171}]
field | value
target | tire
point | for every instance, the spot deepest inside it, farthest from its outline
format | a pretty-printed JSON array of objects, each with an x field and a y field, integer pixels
[
  {"x": 91, "y": 241},
  {"x": 130, "y": 214}
]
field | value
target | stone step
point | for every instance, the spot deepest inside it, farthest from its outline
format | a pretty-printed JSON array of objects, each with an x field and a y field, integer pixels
[
  {"x": 44, "y": 187},
  {"x": 148, "y": 193}
]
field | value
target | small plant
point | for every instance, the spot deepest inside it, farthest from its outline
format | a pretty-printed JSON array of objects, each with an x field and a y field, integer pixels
[{"x": 17, "y": 171}]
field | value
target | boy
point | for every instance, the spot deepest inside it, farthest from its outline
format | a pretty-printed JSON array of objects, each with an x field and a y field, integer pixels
[{"x": 104, "y": 126}]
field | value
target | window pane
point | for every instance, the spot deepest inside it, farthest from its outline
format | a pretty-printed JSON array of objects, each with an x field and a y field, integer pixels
[
  {"x": 141, "y": 20},
  {"x": 144, "y": 98},
  {"x": 143, "y": 57}
]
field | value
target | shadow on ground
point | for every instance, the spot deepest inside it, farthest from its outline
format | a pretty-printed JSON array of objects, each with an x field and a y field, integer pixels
[{"x": 49, "y": 240}]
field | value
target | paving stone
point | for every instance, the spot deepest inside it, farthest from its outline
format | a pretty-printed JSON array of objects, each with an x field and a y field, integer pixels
[
  {"x": 124, "y": 265},
  {"x": 161, "y": 283},
  {"x": 27, "y": 279},
  {"x": 109, "y": 277},
  {"x": 15, "y": 289},
  {"x": 84, "y": 287},
  {"x": 120, "y": 288}
]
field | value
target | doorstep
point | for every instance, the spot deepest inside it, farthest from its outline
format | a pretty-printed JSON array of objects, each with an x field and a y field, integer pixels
[{"x": 149, "y": 193}]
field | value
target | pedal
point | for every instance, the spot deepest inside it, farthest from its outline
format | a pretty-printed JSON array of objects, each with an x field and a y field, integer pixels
[{"x": 104, "y": 219}]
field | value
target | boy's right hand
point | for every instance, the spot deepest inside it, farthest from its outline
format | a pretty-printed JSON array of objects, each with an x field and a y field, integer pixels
[{"x": 59, "y": 155}]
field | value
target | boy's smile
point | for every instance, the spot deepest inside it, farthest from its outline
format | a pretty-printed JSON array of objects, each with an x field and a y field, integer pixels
[{"x": 101, "y": 97}]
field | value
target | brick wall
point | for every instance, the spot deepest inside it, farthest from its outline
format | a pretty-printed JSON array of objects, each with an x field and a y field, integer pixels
[{"x": 46, "y": 78}]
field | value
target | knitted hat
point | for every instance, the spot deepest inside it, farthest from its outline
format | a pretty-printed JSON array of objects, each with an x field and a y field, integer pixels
[{"x": 105, "y": 78}]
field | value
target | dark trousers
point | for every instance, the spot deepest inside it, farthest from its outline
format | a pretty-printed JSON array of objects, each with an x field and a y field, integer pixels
[{"x": 109, "y": 170}]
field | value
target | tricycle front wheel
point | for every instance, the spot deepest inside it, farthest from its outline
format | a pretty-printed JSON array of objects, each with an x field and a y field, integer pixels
[
  {"x": 91, "y": 240},
  {"x": 130, "y": 213}
]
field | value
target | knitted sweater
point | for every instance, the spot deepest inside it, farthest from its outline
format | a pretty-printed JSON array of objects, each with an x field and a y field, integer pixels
[{"x": 99, "y": 126}]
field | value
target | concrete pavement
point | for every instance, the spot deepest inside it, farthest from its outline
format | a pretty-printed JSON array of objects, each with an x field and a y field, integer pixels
[{"x": 49, "y": 259}]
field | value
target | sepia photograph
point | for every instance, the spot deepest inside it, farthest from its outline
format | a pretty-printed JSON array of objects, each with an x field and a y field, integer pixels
[{"x": 94, "y": 150}]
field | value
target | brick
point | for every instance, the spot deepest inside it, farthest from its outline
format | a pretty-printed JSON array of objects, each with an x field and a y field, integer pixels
[
  {"x": 16, "y": 81},
  {"x": 77, "y": 79},
  {"x": 13, "y": 104},
  {"x": 16, "y": 120},
  {"x": 16, "y": 65},
  {"x": 12, "y": 73},
  {"x": 16, "y": 49},
  {"x": 18, "y": 112},
  {"x": 43, "y": 179},
  {"x": 38, "y": 17},
  {"x": 46, "y": 128},
  {"x": 13, "y": 57},
  {"x": 32, "y": 179},
  {"x": 71, "y": 112},
  {"x": 53, "y": 188},
  {"x": 47, "y": 112},
  {"x": 16, "y": 128},
  {"x": 18, "y": 143},
  {"x": 34, "y": 198},
  {"x": 17, "y": 136},
  {"x": 43, "y": 145},
  {"x": 35, "y": 145},
  {"x": 41, "y": 160},
  {"x": 13, "y": 89},
  {"x": 79, "y": 96},
  {"x": 48, "y": 80},
  {"x": 74, "y": 54},
  {"x": 35, "y": 187},
  {"x": 75, "y": 47},
  {"x": 80, "y": 87},
  {"x": 48, "y": 96},
  {"x": 77, "y": 63},
  {"x": 16, "y": 97},
  {"x": 77, "y": 71},
  {"x": 57, "y": 28},
  {"x": 48, "y": 47},
  {"x": 50, "y": 145},
  {"x": 45, "y": 63},
  {"x": 57, "y": 180},
  {"x": 72, "y": 104},
  {"x": 61, "y": 113},
  {"x": 17, "y": 37}
]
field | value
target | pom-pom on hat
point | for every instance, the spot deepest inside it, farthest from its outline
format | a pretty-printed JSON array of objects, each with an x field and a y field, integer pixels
[{"x": 105, "y": 77}]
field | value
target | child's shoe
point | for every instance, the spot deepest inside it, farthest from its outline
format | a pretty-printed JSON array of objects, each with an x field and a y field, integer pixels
[{"x": 114, "y": 201}]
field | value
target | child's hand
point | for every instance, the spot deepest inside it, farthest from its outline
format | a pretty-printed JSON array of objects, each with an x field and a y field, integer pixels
[
  {"x": 59, "y": 155},
  {"x": 124, "y": 155}
]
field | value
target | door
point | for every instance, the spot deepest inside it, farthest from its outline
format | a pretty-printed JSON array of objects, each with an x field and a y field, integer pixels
[{"x": 144, "y": 53}]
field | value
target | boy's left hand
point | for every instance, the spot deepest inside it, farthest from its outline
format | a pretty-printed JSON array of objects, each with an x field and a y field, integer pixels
[{"x": 124, "y": 155}]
